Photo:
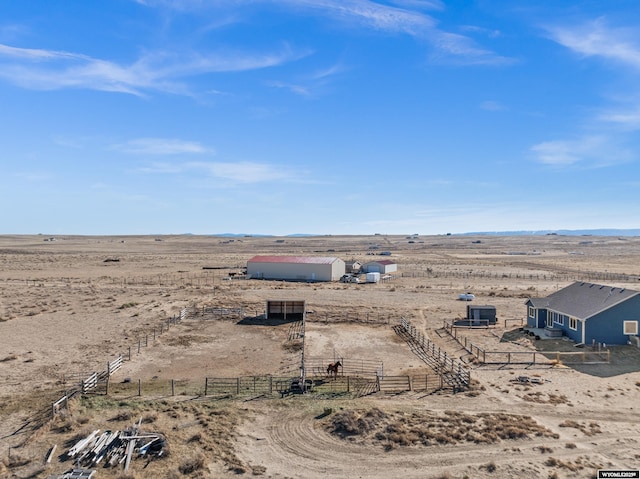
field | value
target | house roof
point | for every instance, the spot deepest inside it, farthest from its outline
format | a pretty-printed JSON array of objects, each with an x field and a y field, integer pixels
[
  {"x": 294, "y": 259},
  {"x": 583, "y": 300}
]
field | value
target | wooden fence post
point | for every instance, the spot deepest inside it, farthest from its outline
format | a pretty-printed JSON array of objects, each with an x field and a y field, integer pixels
[
  {"x": 206, "y": 385},
  {"x": 139, "y": 387}
]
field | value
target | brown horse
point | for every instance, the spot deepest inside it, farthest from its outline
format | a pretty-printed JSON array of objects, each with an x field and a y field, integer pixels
[{"x": 333, "y": 369}]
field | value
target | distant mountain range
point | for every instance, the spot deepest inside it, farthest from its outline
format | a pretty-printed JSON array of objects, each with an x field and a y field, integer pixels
[{"x": 592, "y": 232}]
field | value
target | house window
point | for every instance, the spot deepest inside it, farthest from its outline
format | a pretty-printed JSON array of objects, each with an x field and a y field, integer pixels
[
  {"x": 558, "y": 318},
  {"x": 631, "y": 327},
  {"x": 532, "y": 312},
  {"x": 573, "y": 323}
]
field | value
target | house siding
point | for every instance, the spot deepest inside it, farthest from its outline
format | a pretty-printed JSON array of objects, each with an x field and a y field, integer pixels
[
  {"x": 541, "y": 320},
  {"x": 607, "y": 327}
]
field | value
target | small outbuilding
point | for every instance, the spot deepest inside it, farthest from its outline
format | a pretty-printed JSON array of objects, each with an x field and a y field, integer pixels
[
  {"x": 296, "y": 268},
  {"x": 383, "y": 266},
  {"x": 588, "y": 313},
  {"x": 352, "y": 266},
  {"x": 287, "y": 310},
  {"x": 481, "y": 315}
]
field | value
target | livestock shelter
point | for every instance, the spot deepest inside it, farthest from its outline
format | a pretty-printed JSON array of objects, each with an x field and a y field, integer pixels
[
  {"x": 384, "y": 266},
  {"x": 588, "y": 313},
  {"x": 481, "y": 314},
  {"x": 288, "y": 310},
  {"x": 296, "y": 268}
]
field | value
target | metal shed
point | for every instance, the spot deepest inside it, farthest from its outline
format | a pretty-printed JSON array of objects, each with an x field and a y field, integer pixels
[
  {"x": 384, "y": 266},
  {"x": 481, "y": 314},
  {"x": 296, "y": 268}
]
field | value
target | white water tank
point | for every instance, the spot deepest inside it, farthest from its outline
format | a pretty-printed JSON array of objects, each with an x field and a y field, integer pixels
[{"x": 373, "y": 277}]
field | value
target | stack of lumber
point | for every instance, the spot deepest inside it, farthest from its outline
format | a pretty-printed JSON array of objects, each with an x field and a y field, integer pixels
[{"x": 113, "y": 448}]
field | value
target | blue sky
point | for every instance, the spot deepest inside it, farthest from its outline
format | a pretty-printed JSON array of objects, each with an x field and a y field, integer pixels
[{"x": 318, "y": 116}]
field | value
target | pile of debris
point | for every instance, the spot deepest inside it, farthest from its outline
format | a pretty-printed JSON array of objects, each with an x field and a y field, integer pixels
[{"x": 113, "y": 448}]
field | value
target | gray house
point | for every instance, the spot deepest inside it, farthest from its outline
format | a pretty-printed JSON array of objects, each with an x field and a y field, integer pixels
[{"x": 588, "y": 313}]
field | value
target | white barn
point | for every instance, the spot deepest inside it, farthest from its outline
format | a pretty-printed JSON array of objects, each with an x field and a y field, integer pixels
[
  {"x": 296, "y": 268},
  {"x": 384, "y": 266}
]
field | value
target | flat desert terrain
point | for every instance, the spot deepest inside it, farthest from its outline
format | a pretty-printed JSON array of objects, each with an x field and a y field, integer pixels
[{"x": 70, "y": 305}]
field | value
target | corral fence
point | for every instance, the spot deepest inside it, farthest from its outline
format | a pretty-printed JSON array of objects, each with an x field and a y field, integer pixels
[
  {"x": 97, "y": 382},
  {"x": 274, "y": 386},
  {"x": 85, "y": 383},
  {"x": 317, "y": 367},
  {"x": 239, "y": 312},
  {"x": 528, "y": 358},
  {"x": 426, "y": 383},
  {"x": 567, "y": 276},
  {"x": 211, "y": 312},
  {"x": 370, "y": 317},
  {"x": 450, "y": 370}
]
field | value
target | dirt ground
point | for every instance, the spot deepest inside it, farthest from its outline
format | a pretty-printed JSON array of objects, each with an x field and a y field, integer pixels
[{"x": 71, "y": 304}]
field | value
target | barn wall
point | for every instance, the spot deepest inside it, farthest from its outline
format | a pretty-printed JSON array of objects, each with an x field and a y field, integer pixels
[
  {"x": 297, "y": 271},
  {"x": 375, "y": 267}
]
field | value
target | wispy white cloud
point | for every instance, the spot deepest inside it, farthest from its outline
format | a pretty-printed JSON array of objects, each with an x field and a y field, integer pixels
[
  {"x": 420, "y": 4},
  {"x": 233, "y": 173},
  {"x": 598, "y": 39},
  {"x": 628, "y": 120},
  {"x": 308, "y": 85},
  {"x": 244, "y": 171},
  {"x": 491, "y": 33},
  {"x": 459, "y": 49},
  {"x": 408, "y": 20},
  {"x": 404, "y": 17},
  {"x": 162, "y": 168},
  {"x": 590, "y": 151},
  {"x": 161, "y": 146},
  {"x": 619, "y": 46},
  {"x": 371, "y": 14},
  {"x": 297, "y": 89},
  {"x": 162, "y": 71}
]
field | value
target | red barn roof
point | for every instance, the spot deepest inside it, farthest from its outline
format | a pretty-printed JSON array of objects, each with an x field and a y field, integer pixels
[
  {"x": 293, "y": 259},
  {"x": 384, "y": 261}
]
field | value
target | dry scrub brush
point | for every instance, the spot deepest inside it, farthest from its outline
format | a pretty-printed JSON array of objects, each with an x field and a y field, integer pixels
[{"x": 405, "y": 429}]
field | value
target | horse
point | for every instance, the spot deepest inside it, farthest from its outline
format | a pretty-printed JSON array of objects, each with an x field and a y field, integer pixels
[{"x": 333, "y": 369}]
